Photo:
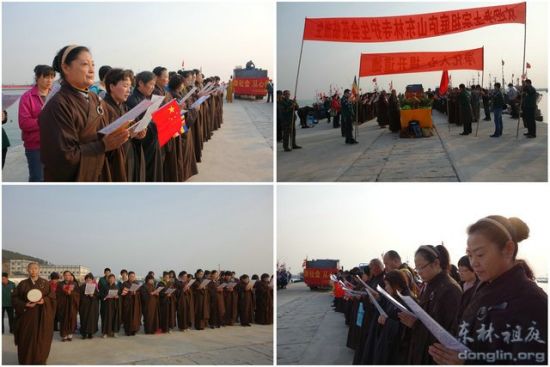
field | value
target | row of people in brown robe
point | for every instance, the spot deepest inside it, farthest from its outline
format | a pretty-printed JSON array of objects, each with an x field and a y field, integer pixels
[
  {"x": 496, "y": 309},
  {"x": 73, "y": 150},
  {"x": 188, "y": 306}
]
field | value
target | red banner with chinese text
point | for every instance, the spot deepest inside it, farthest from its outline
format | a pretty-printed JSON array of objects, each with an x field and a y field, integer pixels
[
  {"x": 250, "y": 86},
  {"x": 415, "y": 62},
  {"x": 409, "y": 27}
]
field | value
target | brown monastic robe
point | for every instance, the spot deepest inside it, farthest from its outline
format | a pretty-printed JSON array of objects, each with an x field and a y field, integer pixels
[
  {"x": 196, "y": 131},
  {"x": 217, "y": 309},
  {"x": 150, "y": 307},
  {"x": 152, "y": 152},
  {"x": 170, "y": 150},
  {"x": 67, "y": 307},
  {"x": 231, "y": 305},
  {"x": 202, "y": 305},
  {"x": 88, "y": 311},
  {"x": 71, "y": 148},
  {"x": 131, "y": 310},
  {"x": 246, "y": 304},
  {"x": 185, "y": 306},
  {"x": 167, "y": 308},
  {"x": 127, "y": 163},
  {"x": 111, "y": 314},
  {"x": 264, "y": 303},
  {"x": 441, "y": 300},
  {"x": 33, "y": 332}
]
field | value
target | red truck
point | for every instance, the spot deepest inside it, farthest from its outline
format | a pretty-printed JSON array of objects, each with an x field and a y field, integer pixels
[
  {"x": 317, "y": 273},
  {"x": 250, "y": 82}
]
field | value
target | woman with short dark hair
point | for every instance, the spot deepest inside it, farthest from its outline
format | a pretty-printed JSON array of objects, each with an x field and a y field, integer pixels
[
  {"x": 127, "y": 163},
  {"x": 30, "y": 106}
]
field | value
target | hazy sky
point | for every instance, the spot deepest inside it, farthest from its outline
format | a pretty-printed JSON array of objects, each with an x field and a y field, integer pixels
[
  {"x": 142, "y": 227},
  {"x": 325, "y": 63},
  {"x": 356, "y": 223},
  {"x": 215, "y": 35}
]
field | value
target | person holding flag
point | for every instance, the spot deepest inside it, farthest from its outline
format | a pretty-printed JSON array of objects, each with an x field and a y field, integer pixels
[{"x": 348, "y": 115}]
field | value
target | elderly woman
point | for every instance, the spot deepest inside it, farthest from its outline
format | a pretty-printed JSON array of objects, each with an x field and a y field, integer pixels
[
  {"x": 71, "y": 148},
  {"x": 127, "y": 163},
  {"x": 34, "y": 332},
  {"x": 30, "y": 106}
]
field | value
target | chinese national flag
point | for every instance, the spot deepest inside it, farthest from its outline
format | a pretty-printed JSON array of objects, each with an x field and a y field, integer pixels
[
  {"x": 168, "y": 121},
  {"x": 444, "y": 85}
]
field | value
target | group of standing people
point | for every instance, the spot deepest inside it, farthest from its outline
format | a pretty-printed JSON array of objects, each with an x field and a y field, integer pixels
[
  {"x": 208, "y": 299},
  {"x": 60, "y": 127},
  {"x": 464, "y": 106},
  {"x": 490, "y": 302}
]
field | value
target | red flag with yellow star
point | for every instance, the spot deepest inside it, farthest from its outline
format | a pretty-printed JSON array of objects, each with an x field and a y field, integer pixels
[{"x": 168, "y": 121}]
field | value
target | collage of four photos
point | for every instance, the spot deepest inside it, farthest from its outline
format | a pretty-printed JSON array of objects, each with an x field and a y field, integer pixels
[{"x": 237, "y": 182}]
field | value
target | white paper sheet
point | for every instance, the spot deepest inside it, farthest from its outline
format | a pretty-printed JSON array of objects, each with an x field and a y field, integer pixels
[
  {"x": 112, "y": 293},
  {"x": 392, "y": 300},
  {"x": 130, "y": 115},
  {"x": 199, "y": 101},
  {"x": 442, "y": 335},
  {"x": 204, "y": 283},
  {"x": 144, "y": 122},
  {"x": 134, "y": 287},
  {"x": 180, "y": 102},
  {"x": 169, "y": 291},
  {"x": 90, "y": 289},
  {"x": 251, "y": 284}
]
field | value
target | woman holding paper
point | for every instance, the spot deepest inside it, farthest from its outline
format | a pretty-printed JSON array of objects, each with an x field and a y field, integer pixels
[
  {"x": 180, "y": 163},
  {"x": 246, "y": 301},
  {"x": 198, "y": 126},
  {"x": 126, "y": 163},
  {"x": 70, "y": 147},
  {"x": 89, "y": 307},
  {"x": 392, "y": 345},
  {"x": 230, "y": 300},
  {"x": 185, "y": 307},
  {"x": 68, "y": 300},
  {"x": 131, "y": 305},
  {"x": 189, "y": 150},
  {"x": 167, "y": 303},
  {"x": 264, "y": 302},
  {"x": 217, "y": 308},
  {"x": 507, "y": 316},
  {"x": 111, "y": 309},
  {"x": 145, "y": 84},
  {"x": 150, "y": 305},
  {"x": 34, "y": 317},
  {"x": 440, "y": 298},
  {"x": 201, "y": 299}
]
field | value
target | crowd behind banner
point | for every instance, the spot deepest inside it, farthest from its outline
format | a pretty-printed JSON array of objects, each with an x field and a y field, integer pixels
[
  {"x": 490, "y": 302},
  {"x": 60, "y": 122},
  {"x": 209, "y": 299},
  {"x": 462, "y": 105}
]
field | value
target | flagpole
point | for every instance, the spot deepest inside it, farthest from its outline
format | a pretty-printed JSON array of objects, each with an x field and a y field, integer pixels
[
  {"x": 292, "y": 125},
  {"x": 523, "y": 69},
  {"x": 358, "y": 99},
  {"x": 482, "y": 75}
]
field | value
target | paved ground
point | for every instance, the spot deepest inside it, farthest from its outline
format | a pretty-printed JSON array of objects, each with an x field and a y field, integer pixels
[
  {"x": 242, "y": 150},
  {"x": 229, "y": 345},
  {"x": 308, "y": 330},
  {"x": 447, "y": 156}
]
